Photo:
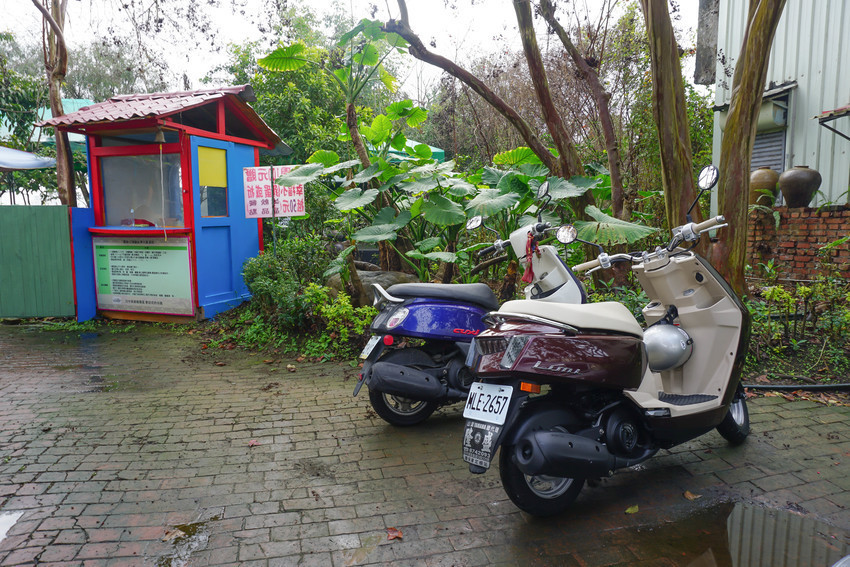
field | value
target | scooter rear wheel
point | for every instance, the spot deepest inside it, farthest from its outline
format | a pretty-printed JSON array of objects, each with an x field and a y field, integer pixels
[
  {"x": 539, "y": 495},
  {"x": 735, "y": 427},
  {"x": 398, "y": 410}
]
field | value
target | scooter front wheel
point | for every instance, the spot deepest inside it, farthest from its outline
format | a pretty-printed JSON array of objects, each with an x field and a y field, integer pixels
[
  {"x": 539, "y": 495},
  {"x": 398, "y": 410},
  {"x": 735, "y": 427}
]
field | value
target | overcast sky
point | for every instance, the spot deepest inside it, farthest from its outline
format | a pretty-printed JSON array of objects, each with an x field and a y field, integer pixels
[{"x": 485, "y": 27}]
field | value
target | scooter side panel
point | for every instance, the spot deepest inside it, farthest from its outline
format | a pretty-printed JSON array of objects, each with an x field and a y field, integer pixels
[
  {"x": 608, "y": 361},
  {"x": 436, "y": 320}
]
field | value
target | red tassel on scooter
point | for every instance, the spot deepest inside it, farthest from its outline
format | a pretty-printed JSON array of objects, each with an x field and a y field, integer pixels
[{"x": 530, "y": 249}]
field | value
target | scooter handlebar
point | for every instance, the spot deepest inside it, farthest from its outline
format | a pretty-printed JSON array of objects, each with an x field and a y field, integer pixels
[
  {"x": 485, "y": 251},
  {"x": 709, "y": 224},
  {"x": 587, "y": 265}
]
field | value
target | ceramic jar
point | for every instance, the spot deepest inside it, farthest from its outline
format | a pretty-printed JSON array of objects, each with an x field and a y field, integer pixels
[
  {"x": 799, "y": 185},
  {"x": 763, "y": 187}
]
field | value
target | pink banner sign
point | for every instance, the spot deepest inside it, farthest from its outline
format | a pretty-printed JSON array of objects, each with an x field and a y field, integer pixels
[{"x": 259, "y": 187}]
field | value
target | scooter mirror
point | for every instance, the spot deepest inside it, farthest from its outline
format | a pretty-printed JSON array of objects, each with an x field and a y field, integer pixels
[
  {"x": 566, "y": 234},
  {"x": 708, "y": 177},
  {"x": 543, "y": 190},
  {"x": 474, "y": 222}
]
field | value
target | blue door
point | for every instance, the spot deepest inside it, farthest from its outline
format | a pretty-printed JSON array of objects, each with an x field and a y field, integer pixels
[{"x": 224, "y": 238}]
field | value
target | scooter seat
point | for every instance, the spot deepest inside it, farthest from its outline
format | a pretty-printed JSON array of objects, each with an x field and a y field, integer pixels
[
  {"x": 477, "y": 293},
  {"x": 602, "y": 316}
]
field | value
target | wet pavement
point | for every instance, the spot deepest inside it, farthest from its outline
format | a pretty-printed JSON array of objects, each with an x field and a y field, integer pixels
[{"x": 142, "y": 448}]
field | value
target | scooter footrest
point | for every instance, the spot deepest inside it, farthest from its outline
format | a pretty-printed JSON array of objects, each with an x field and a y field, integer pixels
[{"x": 684, "y": 400}]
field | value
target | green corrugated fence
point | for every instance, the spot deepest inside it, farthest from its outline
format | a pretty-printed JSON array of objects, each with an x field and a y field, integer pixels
[{"x": 36, "y": 274}]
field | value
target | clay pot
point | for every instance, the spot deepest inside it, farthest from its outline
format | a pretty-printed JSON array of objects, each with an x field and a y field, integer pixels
[
  {"x": 798, "y": 185},
  {"x": 763, "y": 180}
]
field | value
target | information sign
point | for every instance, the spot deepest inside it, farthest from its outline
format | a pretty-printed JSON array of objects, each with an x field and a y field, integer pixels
[
  {"x": 259, "y": 183},
  {"x": 149, "y": 275}
]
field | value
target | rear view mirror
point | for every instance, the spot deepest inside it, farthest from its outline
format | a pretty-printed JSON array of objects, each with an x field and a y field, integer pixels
[
  {"x": 543, "y": 190},
  {"x": 566, "y": 234},
  {"x": 708, "y": 177},
  {"x": 474, "y": 222}
]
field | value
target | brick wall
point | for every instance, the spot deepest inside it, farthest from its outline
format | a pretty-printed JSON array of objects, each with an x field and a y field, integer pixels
[{"x": 794, "y": 245}]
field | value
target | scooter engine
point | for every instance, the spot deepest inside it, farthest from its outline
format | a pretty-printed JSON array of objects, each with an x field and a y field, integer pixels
[
  {"x": 624, "y": 434},
  {"x": 458, "y": 375}
]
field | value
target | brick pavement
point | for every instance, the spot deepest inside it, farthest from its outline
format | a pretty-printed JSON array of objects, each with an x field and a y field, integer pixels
[{"x": 141, "y": 448}]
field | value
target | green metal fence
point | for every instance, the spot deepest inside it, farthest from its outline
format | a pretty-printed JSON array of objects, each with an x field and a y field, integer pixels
[{"x": 36, "y": 274}]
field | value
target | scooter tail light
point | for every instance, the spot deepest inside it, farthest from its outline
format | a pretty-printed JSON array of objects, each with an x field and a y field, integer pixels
[
  {"x": 388, "y": 340},
  {"x": 515, "y": 346},
  {"x": 397, "y": 317},
  {"x": 529, "y": 387}
]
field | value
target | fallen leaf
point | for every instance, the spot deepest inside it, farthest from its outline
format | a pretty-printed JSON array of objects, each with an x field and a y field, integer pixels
[
  {"x": 632, "y": 509},
  {"x": 393, "y": 533},
  {"x": 300, "y": 359},
  {"x": 221, "y": 364},
  {"x": 253, "y": 443},
  {"x": 205, "y": 347},
  {"x": 290, "y": 367},
  {"x": 763, "y": 379},
  {"x": 268, "y": 361},
  {"x": 691, "y": 496},
  {"x": 173, "y": 534}
]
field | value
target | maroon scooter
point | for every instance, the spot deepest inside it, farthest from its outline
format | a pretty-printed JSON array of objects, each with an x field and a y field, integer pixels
[{"x": 571, "y": 392}]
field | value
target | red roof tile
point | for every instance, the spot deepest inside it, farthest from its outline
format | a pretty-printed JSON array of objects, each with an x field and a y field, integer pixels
[{"x": 150, "y": 105}]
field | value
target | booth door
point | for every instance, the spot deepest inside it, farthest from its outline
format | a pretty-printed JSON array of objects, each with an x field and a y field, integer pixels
[{"x": 224, "y": 238}]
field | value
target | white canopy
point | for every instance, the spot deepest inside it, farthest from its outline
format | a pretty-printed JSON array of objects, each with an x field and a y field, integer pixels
[{"x": 13, "y": 160}]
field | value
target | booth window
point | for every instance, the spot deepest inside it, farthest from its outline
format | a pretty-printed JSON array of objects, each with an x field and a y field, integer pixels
[
  {"x": 212, "y": 178},
  {"x": 142, "y": 190}
]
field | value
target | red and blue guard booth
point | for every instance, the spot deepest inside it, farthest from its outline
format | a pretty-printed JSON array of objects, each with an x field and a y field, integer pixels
[{"x": 167, "y": 233}]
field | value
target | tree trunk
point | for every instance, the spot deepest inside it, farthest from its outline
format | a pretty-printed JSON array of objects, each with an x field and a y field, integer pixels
[
  {"x": 56, "y": 67},
  {"x": 670, "y": 111},
  {"x": 601, "y": 98},
  {"x": 729, "y": 255}
]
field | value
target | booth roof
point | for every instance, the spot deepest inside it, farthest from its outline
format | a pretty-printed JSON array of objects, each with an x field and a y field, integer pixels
[{"x": 135, "y": 106}]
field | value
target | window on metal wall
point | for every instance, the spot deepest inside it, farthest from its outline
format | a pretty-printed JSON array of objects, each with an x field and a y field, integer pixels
[{"x": 212, "y": 178}]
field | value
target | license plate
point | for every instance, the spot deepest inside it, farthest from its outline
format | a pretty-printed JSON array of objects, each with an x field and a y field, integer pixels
[
  {"x": 478, "y": 439},
  {"x": 370, "y": 346},
  {"x": 488, "y": 403}
]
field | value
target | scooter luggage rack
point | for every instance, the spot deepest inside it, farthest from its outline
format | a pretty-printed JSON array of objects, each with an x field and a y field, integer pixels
[{"x": 502, "y": 316}]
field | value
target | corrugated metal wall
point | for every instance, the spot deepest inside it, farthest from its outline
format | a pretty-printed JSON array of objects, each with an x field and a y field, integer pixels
[
  {"x": 812, "y": 47},
  {"x": 36, "y": 275}
]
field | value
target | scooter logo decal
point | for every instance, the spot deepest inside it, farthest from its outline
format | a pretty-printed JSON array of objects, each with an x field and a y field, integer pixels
[
  {"x": 539, "y": 365},
  {"x": 466, "y": 331}
]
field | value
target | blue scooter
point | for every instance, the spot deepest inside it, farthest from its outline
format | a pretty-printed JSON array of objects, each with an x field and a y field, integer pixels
[{"x": 406, "y": 382}]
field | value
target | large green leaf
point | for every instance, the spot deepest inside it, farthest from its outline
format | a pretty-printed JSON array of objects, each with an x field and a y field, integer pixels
[
  {"x": 355, "y": 198},
  {"x": 428, "y": 244},
  {"x": 370, "y": 172},
  {"x": 389, "y": 81},
  {"x": 418, "y": 186},
  {"x": 449, "y": 257},
  {"x": 422, "y": 151},
  {"x": 343, "y": 165},
  {"x": 490, "y": 201},
  {"x": 378, "y": 131},
  {"x": 325, "y": 157},
  {"x": 387, "y": 216},
  {"x": 562, "y": 189},
  {"x": 442, "y": 211},
  {"x": 284, "y": 58},
  {"x": 492, "y": 176},
  {"x": 416, "y": 117},
  {"x": 368, "y": 57},
  {"x": 515, "y": 157},
  {"x": 459, "y": 187},
  {"x": 400, "y": 109},
  {"x": 301, "y": 175},
  {"x": 376, "y": 233},
  {"x": 534, "y": 169},
  {"x": 608, "y": 230}
]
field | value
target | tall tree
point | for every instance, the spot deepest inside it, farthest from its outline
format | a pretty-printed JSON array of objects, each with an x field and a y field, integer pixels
[
  {"x": 729, "y": 252},
  {"x": 56, "y": 67}
]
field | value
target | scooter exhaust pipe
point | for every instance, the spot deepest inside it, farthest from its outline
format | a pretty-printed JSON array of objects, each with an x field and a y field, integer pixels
[
  {"x": 399, "y": 380},
  {"x": 556, "y": 453}
]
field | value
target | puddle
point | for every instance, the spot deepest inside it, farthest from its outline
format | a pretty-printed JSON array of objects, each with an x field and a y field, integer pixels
[
  {"x": 186, "y": 539},
  {"x": 742, "y": 535},
  {"x": 7, "y": 520}
]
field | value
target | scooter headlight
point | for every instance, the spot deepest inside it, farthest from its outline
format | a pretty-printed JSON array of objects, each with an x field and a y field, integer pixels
[
  {"x": 397, "y": 317},
  {"x": 515, "y": 346}
]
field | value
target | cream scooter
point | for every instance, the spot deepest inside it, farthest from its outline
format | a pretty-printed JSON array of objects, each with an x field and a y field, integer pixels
[{"x": 575, "y": 391}]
